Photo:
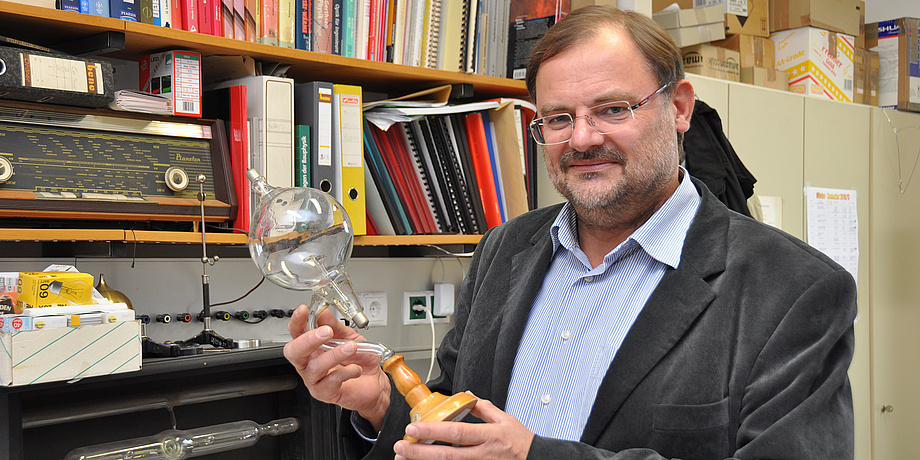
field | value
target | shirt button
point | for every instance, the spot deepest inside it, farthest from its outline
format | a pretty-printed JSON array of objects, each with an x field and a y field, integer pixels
[
  {"x": 566, "y": 335},
  {"x": 545, "y": 399},
  {"x": 589, "y": 278}
]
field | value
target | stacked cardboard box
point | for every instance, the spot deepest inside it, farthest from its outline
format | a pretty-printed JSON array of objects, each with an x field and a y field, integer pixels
[
  {"x": 815, "y": 45},
  {"x": 692, "y": 26},
  {"x": 898, "y": 47},
  {"x": 757, "y": 60}
]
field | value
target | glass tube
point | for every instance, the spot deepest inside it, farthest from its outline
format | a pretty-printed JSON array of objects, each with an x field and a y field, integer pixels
[{"x": 181, "y": 444}]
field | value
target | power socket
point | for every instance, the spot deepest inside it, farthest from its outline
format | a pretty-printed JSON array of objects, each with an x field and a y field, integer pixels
[
  {"x": 375, "y": 307},
  {"x": 417, "y": 316}
]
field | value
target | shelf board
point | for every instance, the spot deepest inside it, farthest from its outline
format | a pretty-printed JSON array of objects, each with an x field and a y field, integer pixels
[
  {"x": 167, "y": 237},
  {"x": 47, "y": 27}
]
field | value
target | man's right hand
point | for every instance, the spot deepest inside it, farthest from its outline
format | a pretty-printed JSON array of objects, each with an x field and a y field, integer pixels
[{"x": 339, "y": 376}]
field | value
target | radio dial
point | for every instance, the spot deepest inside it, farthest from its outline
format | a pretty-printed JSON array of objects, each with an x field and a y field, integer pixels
[
  {"x": 6, "y": 170},
  {"x": 176, "y": 179}
]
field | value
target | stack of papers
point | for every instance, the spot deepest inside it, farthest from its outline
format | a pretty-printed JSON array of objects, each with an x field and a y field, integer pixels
[{"x": 139, "y": 101}]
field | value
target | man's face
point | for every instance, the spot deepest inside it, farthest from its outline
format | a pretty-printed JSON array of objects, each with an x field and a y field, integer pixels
[{"x": 630, "y": 171}]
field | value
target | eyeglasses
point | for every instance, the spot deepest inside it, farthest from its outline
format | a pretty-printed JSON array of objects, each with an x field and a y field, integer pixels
[{"x": 604, "y": 118}]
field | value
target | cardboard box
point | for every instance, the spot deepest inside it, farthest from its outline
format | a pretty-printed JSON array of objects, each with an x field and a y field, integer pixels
[
  {"x": 861, "y": 38},
  {"x": 819, "y": 63},
  {"x": 685, "y": 17},
  {"x": 897, "y": 44},
  {"x": 67, "y": 353},
  {"x": 694, "y": 35},
  {"x": 52, "y": 289},
  {"x": 768, "y": 78},
  {"x": 755, "y": 51},
  {"x": 835, "y": 15},
  {"x": 712, "y": 61},
  {"x": 751, "y": 17},
  {"x": 865, "y": 77},
  {"x": 176, "y": 74}
]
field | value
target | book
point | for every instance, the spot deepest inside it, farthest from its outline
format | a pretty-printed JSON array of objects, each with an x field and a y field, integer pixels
[
  {"x": 303, "y": 22},
  {"x": 302, "y": 155},
  {"x": 428, "y": 167},
  {"x": 383, "y": 183},
  {"x": 482, "y": 165},
  {"x": 230, "y": 105},
  {"x": 430, "y": 42},
  {"x": 313, "y": 107},
  {"x": 348, "y": 151},
  {"x": 337, "y": 26},
  {"x": 226, "y": 18},
  {"x": 454, "y": 175},
  {"x": 349, "y": 23},
  {"x": 395, "y": 155},
  {"x": 189, "y": 13},
  {"x": 362, "y": 28},
  {"x": 239, "y": 19},
  {"x": 322, "y": 26},
  {"x": 268, "y": 25},
  {"x": 165, "y": 13},
  {"x": 217, "y": 17},
  {"x": 145, "y": 11},
  {"x": 252, "y": 21},
  {"x": 73, "y": 5},
  {"x": 528, "y": 22},
  {"x": 287, "y": 10},
  {"x": 496, "y": 165},
  {"x": 205, "y": 13},
  {"x": 378, "y": 220},
  {"x": 456, "y": 135},
  {"x": 127, "y": 10},
  {"x": 450, "y": 35}
]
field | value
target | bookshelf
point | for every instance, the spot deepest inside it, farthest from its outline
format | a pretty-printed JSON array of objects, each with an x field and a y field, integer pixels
[{"x": 48, "y": 27}]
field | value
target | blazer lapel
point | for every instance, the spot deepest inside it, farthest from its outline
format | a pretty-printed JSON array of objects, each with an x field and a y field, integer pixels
[
  {"x": 528, "y": 268},
  {"x": 679, "y": 298}
]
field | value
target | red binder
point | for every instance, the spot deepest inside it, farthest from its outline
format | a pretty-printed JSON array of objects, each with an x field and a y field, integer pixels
[{"x": 482, "y": 165}]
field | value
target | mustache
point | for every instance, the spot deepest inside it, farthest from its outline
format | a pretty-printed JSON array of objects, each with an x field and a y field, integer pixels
[{"x": 595, "y": 153}]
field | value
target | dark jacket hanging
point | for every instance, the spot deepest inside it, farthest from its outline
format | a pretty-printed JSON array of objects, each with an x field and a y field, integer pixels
[{"x": 709, "y": 156}]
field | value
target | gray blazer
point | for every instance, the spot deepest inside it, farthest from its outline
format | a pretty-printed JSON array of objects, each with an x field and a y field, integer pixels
[{"x": 741, "y": 352}]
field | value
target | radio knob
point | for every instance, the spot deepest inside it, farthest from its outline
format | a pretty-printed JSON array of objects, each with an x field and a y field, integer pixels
[
  {"x": 176, "y": 179},
  {"x": 6, "y": 170}
]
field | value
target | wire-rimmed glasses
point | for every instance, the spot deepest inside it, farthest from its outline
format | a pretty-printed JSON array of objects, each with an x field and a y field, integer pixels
[{"x": 604, "y": 118}]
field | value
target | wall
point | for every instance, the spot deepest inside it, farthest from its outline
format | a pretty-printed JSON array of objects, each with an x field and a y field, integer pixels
[{"x": 881, "y": 10}]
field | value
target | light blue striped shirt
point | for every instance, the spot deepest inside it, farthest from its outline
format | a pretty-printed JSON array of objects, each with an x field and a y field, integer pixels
[{"x": 581, "y": 315}]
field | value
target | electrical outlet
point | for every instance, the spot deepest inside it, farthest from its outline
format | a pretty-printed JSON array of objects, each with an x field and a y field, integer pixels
[
  {"x": 375, "y": 307},
  {"x": 417, "y": 316}
]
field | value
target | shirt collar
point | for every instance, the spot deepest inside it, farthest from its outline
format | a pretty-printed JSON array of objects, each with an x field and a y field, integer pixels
[{"x": 662, "y": 236}]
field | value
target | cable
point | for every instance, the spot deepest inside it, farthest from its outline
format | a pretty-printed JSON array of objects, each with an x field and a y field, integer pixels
[
  {"x": 241, "y": 297},
  {"x": 430, "y": 316}
]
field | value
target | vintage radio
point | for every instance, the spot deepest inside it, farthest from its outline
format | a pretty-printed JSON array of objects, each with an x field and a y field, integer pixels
[{"x": 68, "y": 163}]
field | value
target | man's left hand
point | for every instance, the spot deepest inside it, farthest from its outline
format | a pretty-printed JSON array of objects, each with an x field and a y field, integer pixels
[{"x": 501, "y": 436}]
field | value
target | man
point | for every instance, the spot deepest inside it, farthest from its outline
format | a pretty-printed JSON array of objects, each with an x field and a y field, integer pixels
[{"x": 640, "y": 320}]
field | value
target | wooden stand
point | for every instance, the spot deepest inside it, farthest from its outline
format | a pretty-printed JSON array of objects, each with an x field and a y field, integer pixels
[{"x": 426, "y": 406}]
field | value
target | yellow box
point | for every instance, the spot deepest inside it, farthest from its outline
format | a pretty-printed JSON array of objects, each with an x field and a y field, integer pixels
[
  {"x": 819, "y": 63},
  {"x": 51, "y": 289},
  {"x": 67, "y": 353}
]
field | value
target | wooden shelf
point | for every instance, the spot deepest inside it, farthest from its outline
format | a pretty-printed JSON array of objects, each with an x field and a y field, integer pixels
[
  {"x": 167, "y": 237},
  {"x": 50, "y": 27}
]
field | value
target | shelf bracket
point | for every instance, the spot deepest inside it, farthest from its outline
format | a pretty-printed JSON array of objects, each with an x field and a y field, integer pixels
[{"x": 91, "y": 45}]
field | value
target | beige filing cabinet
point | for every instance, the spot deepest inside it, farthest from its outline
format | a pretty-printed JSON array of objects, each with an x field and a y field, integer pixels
[{"x": 894, "y": 272}]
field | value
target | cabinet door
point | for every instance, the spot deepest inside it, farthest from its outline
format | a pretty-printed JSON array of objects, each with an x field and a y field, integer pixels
[
  {"x": 765, "y": 129},
  {"x": 837, "y": 156},
  {"x": 714, "y": 93},
  {"x": 894, "y": 269}
]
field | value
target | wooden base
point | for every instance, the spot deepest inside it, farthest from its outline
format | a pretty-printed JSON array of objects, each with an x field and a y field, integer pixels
[{"x": 426, "y": 406}]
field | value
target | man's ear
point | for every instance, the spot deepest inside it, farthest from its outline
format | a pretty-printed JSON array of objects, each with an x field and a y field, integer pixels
[{"x": 682, "y": 97}]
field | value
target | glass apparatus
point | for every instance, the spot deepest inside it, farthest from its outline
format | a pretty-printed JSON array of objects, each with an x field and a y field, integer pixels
[
  {"x": 300, "y": 238},
  {"x": 181, "y": 444}
]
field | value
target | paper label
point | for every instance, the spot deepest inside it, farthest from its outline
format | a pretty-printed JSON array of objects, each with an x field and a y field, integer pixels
[{"x": 61, "y": 74}]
